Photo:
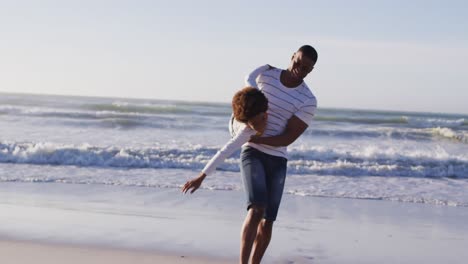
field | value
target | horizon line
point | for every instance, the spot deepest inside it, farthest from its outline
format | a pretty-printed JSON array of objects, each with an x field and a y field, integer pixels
[{"x": 219, "y": 102}]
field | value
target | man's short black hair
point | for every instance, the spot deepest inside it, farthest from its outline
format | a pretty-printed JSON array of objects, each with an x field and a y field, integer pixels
[{"x": 309, "y": 52}]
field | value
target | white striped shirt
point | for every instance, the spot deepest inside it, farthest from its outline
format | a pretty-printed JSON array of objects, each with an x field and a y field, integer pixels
[{"x": 283, "y": 103}]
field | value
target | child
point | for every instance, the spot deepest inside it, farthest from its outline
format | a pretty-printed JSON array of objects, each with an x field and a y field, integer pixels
[{"x": 249, "y": 107}]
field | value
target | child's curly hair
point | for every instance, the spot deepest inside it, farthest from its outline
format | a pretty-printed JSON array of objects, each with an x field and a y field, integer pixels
[{"x": 248, "y": 103}]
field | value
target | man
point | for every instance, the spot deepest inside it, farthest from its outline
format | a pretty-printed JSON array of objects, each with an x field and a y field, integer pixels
[{"x": 291, "y": 107}]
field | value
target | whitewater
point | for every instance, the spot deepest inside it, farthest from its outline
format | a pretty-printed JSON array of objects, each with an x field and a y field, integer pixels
[{"x": 353, "y": 154}]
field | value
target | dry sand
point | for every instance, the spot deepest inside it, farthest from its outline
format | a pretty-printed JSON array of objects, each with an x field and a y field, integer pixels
[{"x": 19, "y": 252}]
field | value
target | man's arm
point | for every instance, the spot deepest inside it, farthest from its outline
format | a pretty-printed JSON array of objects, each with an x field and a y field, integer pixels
[{"x": 294, "y": 129}]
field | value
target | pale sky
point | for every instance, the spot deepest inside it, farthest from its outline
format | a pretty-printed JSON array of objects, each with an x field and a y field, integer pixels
[{"x": 389, "y": 55}]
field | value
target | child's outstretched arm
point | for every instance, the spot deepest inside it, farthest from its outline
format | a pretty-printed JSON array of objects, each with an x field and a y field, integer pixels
[{"x": 234, "y": 144}]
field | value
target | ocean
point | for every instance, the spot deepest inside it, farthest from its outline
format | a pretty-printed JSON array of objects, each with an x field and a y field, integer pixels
[{"x": 353, "y": 154}]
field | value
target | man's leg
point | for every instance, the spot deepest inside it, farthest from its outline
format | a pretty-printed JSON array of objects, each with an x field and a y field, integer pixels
[
  {"x": 253, "y": 178},
  {"x": 276, "y": 171},
  {"x": 249, "y": 232},
  {"x": 262, "y": 240}
]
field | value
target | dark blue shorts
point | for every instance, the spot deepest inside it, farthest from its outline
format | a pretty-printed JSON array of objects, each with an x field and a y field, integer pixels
[{"x": 263, "y": 176}]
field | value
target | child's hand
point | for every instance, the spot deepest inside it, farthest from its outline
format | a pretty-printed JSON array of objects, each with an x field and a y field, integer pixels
[{"x": 193, "y": 184}]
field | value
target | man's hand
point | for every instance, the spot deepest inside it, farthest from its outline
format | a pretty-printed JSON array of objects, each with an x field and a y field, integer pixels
[
  {"x": 193, "y": 184},
  {"x": 255, "y": 139},
  {"x": 294, "y": 129}
]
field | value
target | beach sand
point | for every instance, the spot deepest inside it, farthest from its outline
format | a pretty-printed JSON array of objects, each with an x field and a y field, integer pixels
[
  {"x": 16, "y": 252},
  {"x": 121, "y": 224}
]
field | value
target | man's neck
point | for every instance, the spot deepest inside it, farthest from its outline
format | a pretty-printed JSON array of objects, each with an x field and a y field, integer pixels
[{"x": 288, "y": 80}]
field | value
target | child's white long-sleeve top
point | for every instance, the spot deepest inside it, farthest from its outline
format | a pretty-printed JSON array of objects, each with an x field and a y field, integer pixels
[{"x": 241, "y": 137}]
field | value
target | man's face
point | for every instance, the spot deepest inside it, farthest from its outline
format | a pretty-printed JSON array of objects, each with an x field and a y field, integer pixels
[{"x": 301, "y": 65}]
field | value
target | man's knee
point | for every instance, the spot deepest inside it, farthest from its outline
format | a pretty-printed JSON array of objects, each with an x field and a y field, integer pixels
[
  {"x": 257, "y": 211},
  {"x": 267, "y": 224}
]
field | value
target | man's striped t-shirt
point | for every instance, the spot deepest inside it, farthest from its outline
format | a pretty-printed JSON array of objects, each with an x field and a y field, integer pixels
[{"x": 283, "y": 103}]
